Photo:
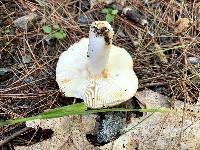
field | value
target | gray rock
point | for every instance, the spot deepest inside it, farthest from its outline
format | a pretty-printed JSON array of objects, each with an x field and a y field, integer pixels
[
  {"x": 26, "y": 59},
  {"x": 121, "y": 33},
  {"x": 111, "y": 127},
  {"x": 28, "y": 79},
  {"x": 194, "y": 60},
  {"x": 48, "y": 39},
  {"x": 22, "y": 22},
  {"x": 84, "y": 20},
  {"x": 84, "y": 5},
  {"x": 3, "y": 71},
  {"x": 146, "y": 2}
]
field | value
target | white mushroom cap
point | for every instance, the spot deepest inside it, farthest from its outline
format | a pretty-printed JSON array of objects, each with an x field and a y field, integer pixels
[{"x": 96, "y": 71}]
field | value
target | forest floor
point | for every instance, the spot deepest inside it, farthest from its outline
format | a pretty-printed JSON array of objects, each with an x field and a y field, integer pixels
[{"x": 166, "y": 52}]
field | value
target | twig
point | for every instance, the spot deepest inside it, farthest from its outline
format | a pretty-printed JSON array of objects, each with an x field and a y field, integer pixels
[
  {"x": 131, "y": 13},
  {"x": 184, "y": 91},
  {"x": 6, "y": 140},
  {"x": 152, "y": 84},
  {"x": 25, "y": 95}
]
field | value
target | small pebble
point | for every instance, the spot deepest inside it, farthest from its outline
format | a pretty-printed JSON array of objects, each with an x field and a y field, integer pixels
[
  {"x": 121, "y": 33},
  {"x": 26, "y": 59},
  {"x": 146, "y": 2},
  {"x": 150, "y": 33},
  {"x": 49, "y": 39},
  {"x": 84, "y": 20},
  {"x": 194, "y": 60},
  {"x": 84, "y": 5},
  {"x": 22, "y": 22},
  {"x": 3, "y": 71},
  {"x": 28, "y": 79}
]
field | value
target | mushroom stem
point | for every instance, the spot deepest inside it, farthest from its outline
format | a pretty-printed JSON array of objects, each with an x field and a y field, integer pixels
[{"x": 100, "y": 41}]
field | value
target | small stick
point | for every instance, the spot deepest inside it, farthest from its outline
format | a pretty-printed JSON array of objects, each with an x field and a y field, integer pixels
[
  {"x": 131, "y": 13},
  {"x": 6, "y": 140},
  {"x": 184, "y": 90},
  {"x": 152, "y": 84}
]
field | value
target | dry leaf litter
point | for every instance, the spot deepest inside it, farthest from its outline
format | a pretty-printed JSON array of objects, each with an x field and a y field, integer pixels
[{"x": 152, "y": 131}]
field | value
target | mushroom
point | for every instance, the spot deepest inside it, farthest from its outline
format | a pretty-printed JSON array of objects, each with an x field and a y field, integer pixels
[{"x": 97, "y": 71}]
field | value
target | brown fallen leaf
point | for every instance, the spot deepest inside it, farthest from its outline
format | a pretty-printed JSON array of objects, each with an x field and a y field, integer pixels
[
  {"x": 160, "y": 54},
  {"x": 182, "y": 25},
  {"x": 69, "y": 133}
]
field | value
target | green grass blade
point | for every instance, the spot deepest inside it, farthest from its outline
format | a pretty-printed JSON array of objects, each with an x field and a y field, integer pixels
[
  {"x": 65, "y": 109},
  {"x": 76, "y": 109},
  {"x": 19, "y": 120},
  {"x": 161, "y": 110}
]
